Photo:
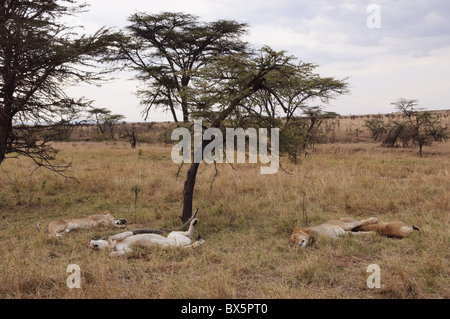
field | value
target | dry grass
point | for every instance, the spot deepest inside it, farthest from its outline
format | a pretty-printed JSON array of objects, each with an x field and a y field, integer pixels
[{"x": 246, "y": 219}]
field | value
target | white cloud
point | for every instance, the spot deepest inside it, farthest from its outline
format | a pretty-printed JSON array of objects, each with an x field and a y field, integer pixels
[{"x": 385, "y": 79}]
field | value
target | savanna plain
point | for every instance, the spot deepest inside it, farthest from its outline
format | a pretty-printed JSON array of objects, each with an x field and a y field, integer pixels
[{"x": 245, "y": 218}]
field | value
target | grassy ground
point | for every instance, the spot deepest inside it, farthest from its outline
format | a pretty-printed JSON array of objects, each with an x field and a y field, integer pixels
[{"x": 246, "y": 219}]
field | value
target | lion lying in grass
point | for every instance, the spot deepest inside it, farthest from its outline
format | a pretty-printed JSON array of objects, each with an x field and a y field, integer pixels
[
  {"x": 59, "y": 227},
  {"x": 123, "y": 243},
  {"x": 335, "y": 228}
]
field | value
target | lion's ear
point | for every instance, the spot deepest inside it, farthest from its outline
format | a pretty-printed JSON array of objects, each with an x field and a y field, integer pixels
[{"x": 296, "y": 230}]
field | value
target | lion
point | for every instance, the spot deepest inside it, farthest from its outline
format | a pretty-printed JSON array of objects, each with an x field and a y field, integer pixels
[
  {"x": 59, "y": 227},
  {"x": 122, "y": 243},
  {"x": 336, "y": 228},
  {"x": 395, "y": 229}
]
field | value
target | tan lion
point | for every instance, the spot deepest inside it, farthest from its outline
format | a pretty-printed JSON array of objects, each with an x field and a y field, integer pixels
[
  {"x": 59, "y": 227},
  {"x": 335, "y": 228},
  {"x": 390, "y": 229}
]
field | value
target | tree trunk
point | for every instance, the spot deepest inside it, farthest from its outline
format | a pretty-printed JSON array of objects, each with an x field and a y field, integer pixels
[
  {"x": 3, "y": 139},
  {"x": 5, "y": 127},
  {"x": 184, "y": 107},
  {"x": 420, "y": 150},
  {"x": 174, "y": 114},
  {"x": 172, "y": 109},
  {"x": 188, "y": 192},
  {"x": 189, "y": 184},
  {"x": 133, "y": 140}
]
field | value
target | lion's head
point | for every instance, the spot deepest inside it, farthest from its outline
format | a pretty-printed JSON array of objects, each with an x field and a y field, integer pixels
[
  {"x": 99, "y": 244},
  {"x": 299, "y": 238}
]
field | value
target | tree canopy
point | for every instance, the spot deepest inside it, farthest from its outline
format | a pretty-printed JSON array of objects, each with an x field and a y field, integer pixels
[
  {"x": 39, "y": 58},
  {"x": 167, "y": 49}
]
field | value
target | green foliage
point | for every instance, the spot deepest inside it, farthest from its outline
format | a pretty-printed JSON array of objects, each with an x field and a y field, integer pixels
[
  {"x": 377, "y": 128},
  {"x": 39, "y": 56},
  {"x": 303, "y": 132},
  {"x": 261, "y": 85},
  {"x": 208, "y": 72},
  {"x": 292, "y": 142},
  {"x": 105, "y": 120},
  {"x": 166, "y": 50},
  {"x": 418, "y": 127}
]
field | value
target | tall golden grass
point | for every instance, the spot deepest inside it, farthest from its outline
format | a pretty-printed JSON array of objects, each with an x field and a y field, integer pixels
[{"x": 246, "y": 219}]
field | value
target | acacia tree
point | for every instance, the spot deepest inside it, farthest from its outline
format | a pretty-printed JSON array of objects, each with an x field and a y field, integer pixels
[
  {"x": 377, "y": 127},
  {"x": 105, "y": 120},
  {"x": 167, "y": 49},
  {"x": 226, "y": 88},
  {"x": 206, "y": 71},
  {"x": 420, "y": 127},
  {"x": 39, "y": 57}
]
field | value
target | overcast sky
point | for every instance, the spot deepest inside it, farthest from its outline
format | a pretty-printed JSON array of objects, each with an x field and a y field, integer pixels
[{"x": 406, "y": 55}]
